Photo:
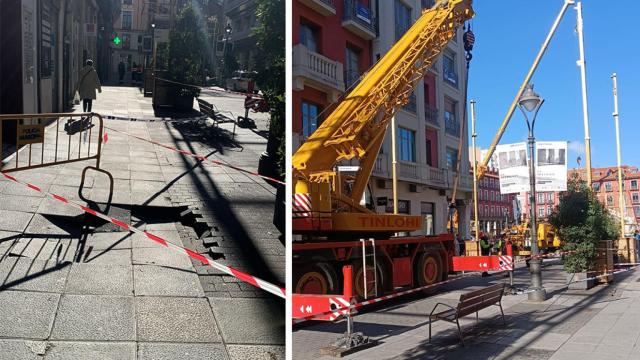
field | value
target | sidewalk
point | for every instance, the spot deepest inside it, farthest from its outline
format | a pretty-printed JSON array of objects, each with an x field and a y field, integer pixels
[
  {"x": 74, "y": 287},
  {"x": 600, "y": 323}
]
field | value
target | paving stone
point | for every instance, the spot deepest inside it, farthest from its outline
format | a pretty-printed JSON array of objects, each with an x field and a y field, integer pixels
[
  {"x": 182, "y": 351},
  {"x": 162, "y": 281},
  {"x": 93, "y": 317},
  {"x": 250, "y": 321},
  {"x": 256, "y": 352},
  {"x": 14, "y": 220},
  {"x": 175, "y": 320},
  {"x": 141, "y": 241},
  {"x": 55, "y": 207},
  {"x": 33, "y": 275},
  {"x": 66, "y": 350},
  {"x": 109, "y": 240},
  {"x": 161, "y": 256},
  {"x": 22, "y": 349},
  {"x": 20, "y": 203},
  {"x": 90, "y": 279},
  {"x": 27, "y": 314},
  {"x": 106, "y": 257},
  {"x": 53, "y": 225}
]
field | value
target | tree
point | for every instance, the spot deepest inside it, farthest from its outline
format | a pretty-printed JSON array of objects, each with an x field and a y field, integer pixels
[
  {"x": 270, "y": 65},
  {"x": 582, "y": 222},
  {"x": 186, "y": 48}
]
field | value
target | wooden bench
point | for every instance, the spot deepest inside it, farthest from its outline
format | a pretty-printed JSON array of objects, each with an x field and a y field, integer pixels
[
  {"x": 469, "y": 303},
  {"x": 207, "y": 109}
]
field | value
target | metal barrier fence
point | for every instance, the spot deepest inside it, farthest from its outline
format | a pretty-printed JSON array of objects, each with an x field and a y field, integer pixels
[{"x": 47, "y": 143}]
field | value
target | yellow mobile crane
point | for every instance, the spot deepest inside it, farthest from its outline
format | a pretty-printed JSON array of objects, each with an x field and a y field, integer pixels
[{"x": 339, "y": 243}]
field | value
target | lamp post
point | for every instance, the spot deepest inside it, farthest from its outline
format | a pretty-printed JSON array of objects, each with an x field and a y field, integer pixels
[
  {"x": 530, "y": 103},
  {"x": 228, "y": 29},
  {"x": 153, "y": 47}
]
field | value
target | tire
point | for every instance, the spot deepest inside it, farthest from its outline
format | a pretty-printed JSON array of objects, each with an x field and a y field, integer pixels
[
  {"x": 428, "y": 270},
  {"x": 318, "y": 279},
  {"x": 358, "y": 280}
]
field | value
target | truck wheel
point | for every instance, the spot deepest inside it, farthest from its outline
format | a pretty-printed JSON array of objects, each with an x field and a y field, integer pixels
[
  {"x": 358, "y": 281},
  {"x": 319, "y": 279},
  {"x": 429, "y": 270}
]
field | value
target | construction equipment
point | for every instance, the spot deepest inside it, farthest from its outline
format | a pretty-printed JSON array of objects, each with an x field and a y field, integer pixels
[
  {"x": 333, "y": 227},
  {"x": 520, "y": 236}
]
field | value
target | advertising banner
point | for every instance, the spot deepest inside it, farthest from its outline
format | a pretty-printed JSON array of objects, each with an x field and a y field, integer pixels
[
  {"x": 514, "y": 172},
  {"x": 551, "y": 166}
]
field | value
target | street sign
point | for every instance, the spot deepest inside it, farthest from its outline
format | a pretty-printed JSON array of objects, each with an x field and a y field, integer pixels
[
  {"x": 30, "y": 134},
  {"x": 348, "y": 168}
]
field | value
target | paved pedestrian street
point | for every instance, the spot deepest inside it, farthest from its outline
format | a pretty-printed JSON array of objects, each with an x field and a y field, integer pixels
[
  {"x": 600, "y": 323},
  {"x": 74, "y": 286}
]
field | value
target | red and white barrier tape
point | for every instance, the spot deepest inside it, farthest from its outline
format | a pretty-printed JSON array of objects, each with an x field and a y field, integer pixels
[
  {"x": 382, "y": 298},
  {"x": 199, "y": 157},
  {"x": 250, "y": 279}
]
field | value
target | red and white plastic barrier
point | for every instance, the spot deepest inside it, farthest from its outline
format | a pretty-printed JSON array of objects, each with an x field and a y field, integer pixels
[
  {"x": 199, "y": 157},
  {"x": 250, "y": 279}
]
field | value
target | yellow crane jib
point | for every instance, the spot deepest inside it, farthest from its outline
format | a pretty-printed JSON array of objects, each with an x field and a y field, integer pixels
[{"x": 356, "y": 128}]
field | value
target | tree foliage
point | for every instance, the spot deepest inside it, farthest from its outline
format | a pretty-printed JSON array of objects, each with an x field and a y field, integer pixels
[
  {"x": 582, "y": 222},
  {"x": 270, "y": 64},
  {"x": 186, "y": 48}
]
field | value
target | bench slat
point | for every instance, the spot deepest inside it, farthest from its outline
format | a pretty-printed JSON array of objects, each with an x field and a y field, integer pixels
[{"x": 492, "y": 288}]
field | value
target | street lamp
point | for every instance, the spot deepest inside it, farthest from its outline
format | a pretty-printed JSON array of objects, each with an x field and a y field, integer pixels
[
  {"x": 530, "y": 103},
  {"x": 228, "y": 29}
]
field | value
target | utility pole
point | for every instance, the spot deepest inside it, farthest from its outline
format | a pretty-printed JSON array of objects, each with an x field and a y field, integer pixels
[{"x": 583, "y": 77}]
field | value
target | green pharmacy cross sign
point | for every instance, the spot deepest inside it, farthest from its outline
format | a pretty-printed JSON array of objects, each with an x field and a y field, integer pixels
[{"x": 116, "y": 40}]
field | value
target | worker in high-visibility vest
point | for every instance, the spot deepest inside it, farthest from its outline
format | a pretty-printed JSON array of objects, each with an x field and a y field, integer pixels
[{"x": 485, "y": 246}]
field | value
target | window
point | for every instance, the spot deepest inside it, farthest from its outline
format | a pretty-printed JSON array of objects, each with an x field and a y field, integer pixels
[
  {"x": 637, "y": 209},
  {"x": 308, "y": 37},
  {"x": 609, "y": 200},
  {"x": 607, "y": 186},
  {"x": 451, "y": 125},
  {"x": 127, "y": 2},
  {"x": 486, "y": 194},
  {"x": 428, "y": 152},
  {"x": 541, "y": 198},
  {"x": 126, "y": 41},
  {"x": 634, "y": 184},
  {"x": 452, "y": 160},
  {"x": 486, "y": 210},
  {"x": 549, "y": 210},
  {"x": 635, "y": 198},
  {"x": 309, "y": 118},
  {"x": 127, "y": 17},
  {"x": 449, "y": 69},
  {"x": 352, "y": 64},
  {"x": 403, "y": 18},
  {"x": 541, "y": 212},
  {"x": 407, "y": 144},
  {"x": 596, "y": 186}
]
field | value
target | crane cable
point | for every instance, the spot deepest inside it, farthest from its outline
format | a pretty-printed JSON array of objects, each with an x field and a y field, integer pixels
[{"x": 468, "y": 39}]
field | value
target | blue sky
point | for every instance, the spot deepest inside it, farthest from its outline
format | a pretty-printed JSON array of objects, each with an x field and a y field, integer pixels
[{"x": 509, "y": 35}]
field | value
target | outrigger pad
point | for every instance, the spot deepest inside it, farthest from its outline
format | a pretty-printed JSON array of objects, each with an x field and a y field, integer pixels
[{"x": 348, "y": 344}]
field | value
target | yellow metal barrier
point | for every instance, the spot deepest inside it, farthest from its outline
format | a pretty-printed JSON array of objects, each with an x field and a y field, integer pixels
[{"x": 48, "y": 143}]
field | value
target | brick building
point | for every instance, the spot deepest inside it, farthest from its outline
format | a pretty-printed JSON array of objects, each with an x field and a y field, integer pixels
[{"x": 496, "y": 212}]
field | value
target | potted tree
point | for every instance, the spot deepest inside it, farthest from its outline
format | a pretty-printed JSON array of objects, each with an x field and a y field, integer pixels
[
  {"x": 582, "y": 222},
  {"x": 183, "y": 60}
]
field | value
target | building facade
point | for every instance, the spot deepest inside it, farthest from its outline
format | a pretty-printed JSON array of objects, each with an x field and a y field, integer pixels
[
  {"x": 496, "y": 212},
  {"x": 546, "y": 202},
  {"x": 330, "y": 51},
  {"x": 428, "y": 130},
  {"x": 241, "y": 20},
  {"x": 44, "y": 45}
]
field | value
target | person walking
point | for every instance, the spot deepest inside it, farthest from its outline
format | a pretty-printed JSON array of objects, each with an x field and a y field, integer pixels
[
  {"x": 87, "y": 85},
  {"x": 121, "y": 71}
]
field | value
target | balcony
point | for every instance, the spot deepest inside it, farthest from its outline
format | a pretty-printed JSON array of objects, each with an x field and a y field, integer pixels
[
  {"x": 421, "y": 174},
  {"x": 323, "y": 7},
  {"x": 451, "y": 125},
  {"x": 381, "y": 167},
  {"x": 358, "y": 19},
  {"x": 431, "y": 114},
  {"x": 465, "y": 182},
  {"x": 316, "y": 70}
]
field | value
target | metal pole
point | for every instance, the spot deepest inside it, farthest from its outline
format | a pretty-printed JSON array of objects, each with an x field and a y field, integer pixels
[
  {"x": 617, "y": 123},
  {"x": 475, "y": 169},
  {"x": 527, "y": 78},
  {"x": 538, "y": 293},
  {"x": 394, "y": 163},
  {"x": 583, "y": 77}
]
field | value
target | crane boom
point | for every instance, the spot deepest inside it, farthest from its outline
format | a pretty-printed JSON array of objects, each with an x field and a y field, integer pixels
[
  {"x": 496, "y": 139},
  {"x": 356, "y": 128}
]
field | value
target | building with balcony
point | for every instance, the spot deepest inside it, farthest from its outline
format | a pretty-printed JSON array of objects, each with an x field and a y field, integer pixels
[
  {"x": 241, "y": 16},
  {"x": 428, "y": 130},
  {"x": 331, "y": 49},
  {"x": 496, "y": 212},
  {"x": 132, "y": 27}
]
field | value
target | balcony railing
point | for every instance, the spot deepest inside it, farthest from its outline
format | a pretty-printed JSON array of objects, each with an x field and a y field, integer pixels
[
  {"x": 411, "y": 106},
  {"x": 320, "y": 69},
  {"x": 324, "y": 7},
  {"x": 381, "y": 167},
  {"x": 451, "y": 125},
  {"x": 359, "y": 19},
  {"x": 430, "y": 114}
]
